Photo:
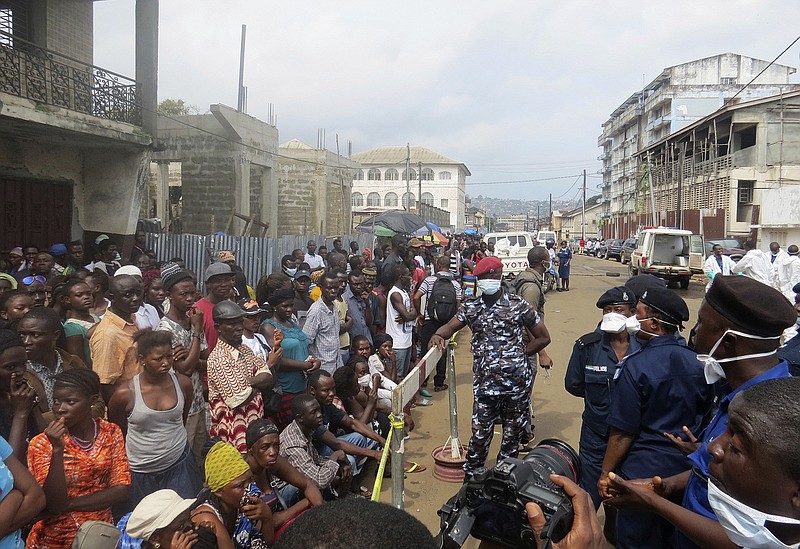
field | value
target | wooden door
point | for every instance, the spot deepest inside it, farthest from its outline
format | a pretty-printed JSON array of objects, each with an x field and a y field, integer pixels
[{"x": 35, "y": 212}]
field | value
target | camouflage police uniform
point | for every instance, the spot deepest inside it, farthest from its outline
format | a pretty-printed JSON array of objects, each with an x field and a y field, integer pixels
[{"x": 502, "y": 375}]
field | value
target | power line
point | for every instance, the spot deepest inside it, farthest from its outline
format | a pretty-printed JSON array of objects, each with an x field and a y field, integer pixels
[
  {"x": 728, "y": 101},
  {"x": 521, "y": 181}
]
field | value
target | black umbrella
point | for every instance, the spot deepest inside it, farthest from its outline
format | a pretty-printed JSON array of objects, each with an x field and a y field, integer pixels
[{"x": 394, "y": 220}]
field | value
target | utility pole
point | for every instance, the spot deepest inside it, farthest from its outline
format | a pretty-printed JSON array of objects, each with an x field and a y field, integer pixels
[
  {"x": 419, "y": 180},
  {"x": 538, "y": 222},
  {"x": 583, "y": 210},
  {"x": 550, "y": 219},
  {"x": 652, "y": 191},
  {"x": 408, "y": 174},
  {"x": 241, "y": 104},
  {"x": 679, "y": 204}
]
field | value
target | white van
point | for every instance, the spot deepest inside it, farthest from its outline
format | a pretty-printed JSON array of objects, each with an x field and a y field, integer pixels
[
  {"x": 512, "y": 249},
  {"x": 544, "y": 236},
  {"x": 671, "y": 254}
]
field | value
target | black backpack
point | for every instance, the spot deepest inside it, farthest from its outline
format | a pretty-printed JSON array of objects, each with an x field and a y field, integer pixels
[{"x": 442, "y": 302}]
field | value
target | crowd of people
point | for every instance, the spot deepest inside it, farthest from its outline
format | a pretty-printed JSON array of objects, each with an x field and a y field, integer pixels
[{"x": 221, "y": 417}]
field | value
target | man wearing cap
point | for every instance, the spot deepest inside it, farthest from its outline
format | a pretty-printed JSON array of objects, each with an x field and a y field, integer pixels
[
  {"x": 147, "y": 316},
  {"x": 314, "y": 260},
  {"x": 502, "y": 377},
  {"x": 236, "y": 378},
  {"x": 739, "y": 326},
  {"x": 658, "y": 389},
  {"x": 590, "y": 374},
  {"x": 302, "y": 300},
  {"x": 16, "y": 258},
  {"x": 219, "y": 287},
  {"x": 185, "y": 322},
  {"x": 111, "y": 343},
  {"x": 59, "y": 253}
]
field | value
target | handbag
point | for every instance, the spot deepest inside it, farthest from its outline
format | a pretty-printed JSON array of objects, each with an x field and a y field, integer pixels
[{"x": 96, "y": 534}]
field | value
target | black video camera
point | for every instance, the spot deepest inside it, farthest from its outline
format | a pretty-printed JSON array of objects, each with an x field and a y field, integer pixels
[{"x": 491, "y": 505}]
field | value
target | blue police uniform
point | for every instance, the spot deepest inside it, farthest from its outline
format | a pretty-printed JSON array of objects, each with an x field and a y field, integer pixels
[
  {"x": 590, "y": 374},
  {"x": 790, "y": 352},
  {"x": 695, "y": 498},
  {"x": 658, "y": 389}
]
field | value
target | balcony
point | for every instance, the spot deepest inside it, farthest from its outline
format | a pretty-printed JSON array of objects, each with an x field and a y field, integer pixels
[{"x": 47, "y": 77}]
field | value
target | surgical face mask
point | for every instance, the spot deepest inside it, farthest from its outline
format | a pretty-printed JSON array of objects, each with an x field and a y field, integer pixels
[
  {"x": 744, "y": 525},
  {"x": 489, "y": 286},
  {"x": 632, "y": 324},
  {"x": 712, "y": 368},
  {"x": 614, "y": 323},
  {"x": 290, "y": 272},
  {"x": 364, "y": 380}
]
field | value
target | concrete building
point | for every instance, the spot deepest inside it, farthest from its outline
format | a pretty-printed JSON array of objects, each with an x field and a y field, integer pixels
[
  {"x": 571, "y": 225},
  {"x": 476, "y": 218},
  {"x": 382, "y": 181},
  {"x": 75, "y": 139},
  {"x": 731, "y": 174},
  {"x": 228, "y": 167},
  {"x": 314, "y": 190},
  {"x": 677, "y": 98}
]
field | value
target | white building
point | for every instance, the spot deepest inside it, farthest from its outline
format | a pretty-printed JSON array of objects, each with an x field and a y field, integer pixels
[
  {"x": 382, "y": 181},
  {"x": 678, "y": 97}
]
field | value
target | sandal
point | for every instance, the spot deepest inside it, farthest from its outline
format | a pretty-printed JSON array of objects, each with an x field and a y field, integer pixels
[
  {"x": 440, "y": 388},
  {"x": 361, "y": 491},
  {"x": 414, "y": 467},
  {"x": 422, "y": 402},
  {"x": 425, "y": 393}
]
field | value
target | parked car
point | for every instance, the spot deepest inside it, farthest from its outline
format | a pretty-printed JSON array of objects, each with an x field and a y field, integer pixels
[
  {"x": 671, "y": 254},
  {"x": 611, "y": 248},
  {"x": 730, "y": 247},
  {"x": 627, "y": 249}
]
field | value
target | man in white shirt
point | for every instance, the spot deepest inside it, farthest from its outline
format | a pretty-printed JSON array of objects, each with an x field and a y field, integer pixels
[
  {"x": 789, "y": 272},
  {"x": 314, "y": 260},
  {"x": 146, "y": 316},
  {"x": 717, "y": 264}
]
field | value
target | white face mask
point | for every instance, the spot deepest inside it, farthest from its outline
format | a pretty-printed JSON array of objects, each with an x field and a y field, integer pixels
[
  {"x": 489, "y": 286},
  {"x": 744, "y": 525},
  {"x": 364, "y": 380},
  {"x": 712, "y": 368},
  {"x": 291, "y": 272},
  {"x": 632, "y": 324},
  {"x": 614, "y": 323}
]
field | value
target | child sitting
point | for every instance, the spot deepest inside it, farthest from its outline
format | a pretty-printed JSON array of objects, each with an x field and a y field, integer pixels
[
  {"x": 383, "y": 361},
  {"x": 365, "y": 377}
]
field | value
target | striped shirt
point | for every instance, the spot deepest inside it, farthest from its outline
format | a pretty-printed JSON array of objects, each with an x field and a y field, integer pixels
[{"x": 322, "y": 329}]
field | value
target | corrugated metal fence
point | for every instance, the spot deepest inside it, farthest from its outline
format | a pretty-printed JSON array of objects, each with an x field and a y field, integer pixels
[{"x": 257, "y": 256}]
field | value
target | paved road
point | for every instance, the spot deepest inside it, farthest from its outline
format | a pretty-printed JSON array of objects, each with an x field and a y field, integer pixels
[{"x": 568, "y": 316}]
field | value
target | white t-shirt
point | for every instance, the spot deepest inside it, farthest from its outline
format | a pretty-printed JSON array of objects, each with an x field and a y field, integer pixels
[
  {"x": 400, "y": 332},
  {"x": 258, "y": 345},
  {"x": 314, "y": 261}
]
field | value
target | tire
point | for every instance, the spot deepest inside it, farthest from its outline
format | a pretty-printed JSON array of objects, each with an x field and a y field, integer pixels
[
  {"x": 633, "y": 271},
  {"x": 685, "y": 283}
]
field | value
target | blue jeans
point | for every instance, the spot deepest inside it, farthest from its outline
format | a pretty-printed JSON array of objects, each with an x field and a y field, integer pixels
[
  {"x": 356, "y": 439},
  {"x": 403, "y": 359}
]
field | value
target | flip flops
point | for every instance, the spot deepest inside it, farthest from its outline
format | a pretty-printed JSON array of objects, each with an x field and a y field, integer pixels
[
  {"x": 414, "y": 467},
  {"x": 422, "y": 402},
  {"x": 425, "y": 393}
]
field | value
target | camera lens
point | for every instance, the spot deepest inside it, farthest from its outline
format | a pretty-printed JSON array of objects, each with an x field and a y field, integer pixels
[{"x": 555, "y": 456}]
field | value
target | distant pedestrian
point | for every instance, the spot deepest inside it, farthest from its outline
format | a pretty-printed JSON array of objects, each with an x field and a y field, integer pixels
[{"x": 564, "y": 264}]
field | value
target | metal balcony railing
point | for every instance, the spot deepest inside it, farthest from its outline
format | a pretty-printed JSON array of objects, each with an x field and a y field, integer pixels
[{"x": 50, "y": 78}]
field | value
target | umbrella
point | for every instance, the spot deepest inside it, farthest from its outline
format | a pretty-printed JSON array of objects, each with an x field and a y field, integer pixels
[
  {"x": 470, "y": 230},
  {"x": 394, "y": 220},
  {"x": 433, "y": 227},
  {"x": 379, "y": 230},
  {"x": 438, "y": 237}
]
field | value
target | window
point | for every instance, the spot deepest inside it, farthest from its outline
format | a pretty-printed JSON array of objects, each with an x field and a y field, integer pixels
[
  {"x": 373, "y": 199},
  {"x": 374, "y": 174},
  {"x": 411, "y": 177},
  {"x": 391, "y": 175},
  {"x": 427, "y": 198},
  {"x": 359, "y": 175},
  {"x": 746, "y": 192},
  {"x": 426, "y": 174},
  {"x": 409, "y": 200},
  {"x": 444, "y": 175},
  {"x": 728, "y": 81},
  {"x": 444, "y": 203},
  {"x": 523, "y": 242},
  {"x": 358, "y": 200},
  {"x": 390, "y": 200}
]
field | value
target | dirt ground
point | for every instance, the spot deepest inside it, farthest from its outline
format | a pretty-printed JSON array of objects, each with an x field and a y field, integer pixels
[{"x": 568, "y": 315}]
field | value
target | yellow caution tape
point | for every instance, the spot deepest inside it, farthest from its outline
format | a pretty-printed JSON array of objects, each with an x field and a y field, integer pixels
[{"x": 398, "y": 424}]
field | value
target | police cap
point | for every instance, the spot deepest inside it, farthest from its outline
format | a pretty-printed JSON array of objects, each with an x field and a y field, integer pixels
[
  {"x": 752, "y": 306},
  {"x": 616, "y": 296},
  {"x": 488, "y": 265},
  {"x": 667, "y": 303},
  {"x": 640, "y": 283}
]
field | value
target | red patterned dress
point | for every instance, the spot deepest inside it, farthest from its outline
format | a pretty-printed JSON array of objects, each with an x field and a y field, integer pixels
[{"x": 228, "y": 390}]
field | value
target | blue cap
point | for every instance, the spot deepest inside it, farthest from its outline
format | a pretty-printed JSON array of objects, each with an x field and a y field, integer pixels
[{"x": 58, "y": 250}]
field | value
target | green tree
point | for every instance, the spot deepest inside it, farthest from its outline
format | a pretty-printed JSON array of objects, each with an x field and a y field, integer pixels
[{"x": 176, "y": 107}]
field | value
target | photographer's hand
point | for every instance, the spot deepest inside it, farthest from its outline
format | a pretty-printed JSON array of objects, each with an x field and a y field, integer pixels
[{"x": 586, "y": 532}]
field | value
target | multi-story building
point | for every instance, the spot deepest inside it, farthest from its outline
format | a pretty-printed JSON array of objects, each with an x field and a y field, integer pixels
[
  {"x": 678, "y": 97},
  {"x": 75, "y": 139},
  {"x": 432, "y": 179},
  {"x": 730, "y": 174}
]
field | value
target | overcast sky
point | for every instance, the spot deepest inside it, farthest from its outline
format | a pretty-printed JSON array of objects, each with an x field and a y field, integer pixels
[{"x": 516, "y": 90}]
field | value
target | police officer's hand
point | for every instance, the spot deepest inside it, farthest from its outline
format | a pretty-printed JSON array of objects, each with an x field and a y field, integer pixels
[
  {"x": 586, "y": 532},
  {"x": 685, "y": 446},
  {"x": 437, "y": 341},
  {"x": 635, "y": 494}
]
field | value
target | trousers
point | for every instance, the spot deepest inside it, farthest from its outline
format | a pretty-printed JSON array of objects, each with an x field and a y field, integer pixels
[{"x": 513, "y": 410}]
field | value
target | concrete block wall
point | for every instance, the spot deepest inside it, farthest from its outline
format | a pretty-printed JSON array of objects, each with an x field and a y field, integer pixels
[
  {"x": 70, "y": 28},
  {"x": 296, "y": 198}
]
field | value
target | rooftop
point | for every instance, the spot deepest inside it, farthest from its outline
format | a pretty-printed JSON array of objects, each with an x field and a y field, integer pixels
[{"x": 397, "y": 155}]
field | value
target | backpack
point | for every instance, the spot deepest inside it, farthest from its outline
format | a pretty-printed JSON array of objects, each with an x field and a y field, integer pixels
[
  {"x": 519, "y": 283},
  {"x": 442, "y": 300}
]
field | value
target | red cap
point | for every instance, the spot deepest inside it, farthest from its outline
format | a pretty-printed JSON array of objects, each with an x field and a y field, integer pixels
[{"x": 487, "y": 265}]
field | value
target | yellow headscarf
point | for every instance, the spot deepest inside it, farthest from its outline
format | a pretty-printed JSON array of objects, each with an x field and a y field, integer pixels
[{"x": 224, "y": 464}]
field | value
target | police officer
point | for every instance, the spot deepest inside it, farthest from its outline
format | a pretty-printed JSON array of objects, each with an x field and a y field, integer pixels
[
  {"x": 502, "y": 376},
  {"x": 590, "y": 373},
  {"x": 658, "y": 389}
]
